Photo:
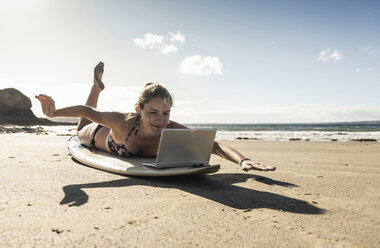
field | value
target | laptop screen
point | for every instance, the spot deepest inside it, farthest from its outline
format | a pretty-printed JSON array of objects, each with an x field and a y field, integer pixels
[{"x": 185, "y": 147}]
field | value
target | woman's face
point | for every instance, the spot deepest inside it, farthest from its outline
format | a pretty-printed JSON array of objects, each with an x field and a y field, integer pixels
[{"x": 155, "y": 115}]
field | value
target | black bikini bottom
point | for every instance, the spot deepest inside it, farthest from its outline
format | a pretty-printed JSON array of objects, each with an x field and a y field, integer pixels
[{"x": 92, "y": 143}]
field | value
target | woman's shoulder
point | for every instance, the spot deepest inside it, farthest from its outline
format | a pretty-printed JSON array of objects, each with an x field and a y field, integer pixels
[
  {"x": 127, "y": 122},
  {"x": 131, "y": 119}
]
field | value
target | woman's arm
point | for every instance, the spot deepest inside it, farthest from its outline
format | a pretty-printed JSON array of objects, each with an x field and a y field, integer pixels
[
  {"x": 233, "y": 155},
  {"x": 108, "y": 119}
]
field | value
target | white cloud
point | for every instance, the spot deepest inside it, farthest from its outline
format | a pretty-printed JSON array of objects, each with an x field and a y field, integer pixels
[
  {"x": 369, "y": 49},
  {"x": 149, "y": 41},
  {"x": 337, "y": 55},
  {"x": 177, "y": 37},
  {"x": 200, "y": 66},
  {"x": 326, "y": 55},
  {"x": 363, "y": 70},
  {"x": 164, "y": 44},
  {"x": 169, "y": 49}
]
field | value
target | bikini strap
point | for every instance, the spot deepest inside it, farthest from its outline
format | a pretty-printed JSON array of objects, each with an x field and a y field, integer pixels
[
  {"x": 129, "y": 134},
  {"x": 92, "y": 143},
  {"x": 135, "y": 127}
]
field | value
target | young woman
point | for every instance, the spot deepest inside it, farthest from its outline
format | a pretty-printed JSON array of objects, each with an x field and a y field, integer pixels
[{"x": 133, "y": 133}]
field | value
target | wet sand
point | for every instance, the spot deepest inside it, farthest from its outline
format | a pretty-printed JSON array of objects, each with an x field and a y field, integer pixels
[{"x": 323, "y": 194}]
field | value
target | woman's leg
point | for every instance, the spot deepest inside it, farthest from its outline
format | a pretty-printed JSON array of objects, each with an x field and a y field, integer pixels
[{"x": 93, "y": 97}]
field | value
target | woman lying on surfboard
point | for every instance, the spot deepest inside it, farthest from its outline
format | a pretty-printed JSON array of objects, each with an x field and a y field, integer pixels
[{"x": 132, "y": 133}]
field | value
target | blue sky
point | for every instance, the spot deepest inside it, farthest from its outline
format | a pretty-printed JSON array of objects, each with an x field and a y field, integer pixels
[{"x": 224, "y": 61}]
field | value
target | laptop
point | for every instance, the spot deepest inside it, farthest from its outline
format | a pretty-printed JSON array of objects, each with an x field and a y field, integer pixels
[{"x": 184, "y": 147}]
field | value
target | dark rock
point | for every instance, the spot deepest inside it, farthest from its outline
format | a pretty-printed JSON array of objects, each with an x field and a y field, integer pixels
[
  {"x": 12, "y": 99},
  {"x": 245, "y": 138},
  {"x": 364, "y": 140},
  {"x": 57, "y": 230},
  {"x": 15, "y": 109},
  {"x": 18, "y": 129}
]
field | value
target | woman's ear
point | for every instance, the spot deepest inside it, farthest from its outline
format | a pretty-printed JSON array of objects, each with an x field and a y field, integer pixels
[{"x": 139, "y": 109}]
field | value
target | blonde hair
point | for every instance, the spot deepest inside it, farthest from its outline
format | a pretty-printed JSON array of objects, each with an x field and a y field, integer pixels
[{"x": 150, "y": 91}]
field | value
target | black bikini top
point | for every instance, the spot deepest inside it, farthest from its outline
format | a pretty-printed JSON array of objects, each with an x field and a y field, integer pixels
[{"x": 120, "y": 149}]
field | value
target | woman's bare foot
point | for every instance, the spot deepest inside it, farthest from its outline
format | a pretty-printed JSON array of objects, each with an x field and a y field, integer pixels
[{"x": 98, "y": 75}]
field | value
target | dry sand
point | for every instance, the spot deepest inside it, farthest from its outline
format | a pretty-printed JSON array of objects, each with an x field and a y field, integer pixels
[{"x": 322, "y": 195}]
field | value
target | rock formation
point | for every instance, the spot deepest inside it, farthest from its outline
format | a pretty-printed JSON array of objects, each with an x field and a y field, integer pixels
[{"x": 15, "y": 109}]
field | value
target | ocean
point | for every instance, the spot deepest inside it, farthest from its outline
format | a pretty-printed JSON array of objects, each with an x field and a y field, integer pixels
[
  {"x": 340, "y": 132},
  {"x": 343, "y": 131}
]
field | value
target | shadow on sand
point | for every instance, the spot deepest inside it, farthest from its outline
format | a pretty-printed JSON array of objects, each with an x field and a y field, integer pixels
[{"x": 216, "y": 187}]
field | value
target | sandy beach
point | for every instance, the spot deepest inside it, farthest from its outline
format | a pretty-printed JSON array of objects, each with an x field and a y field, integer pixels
[{"x": 323, "y": 194}]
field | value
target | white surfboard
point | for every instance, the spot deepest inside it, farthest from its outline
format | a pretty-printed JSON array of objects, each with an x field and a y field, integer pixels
[{"x": 128, "y": 166}]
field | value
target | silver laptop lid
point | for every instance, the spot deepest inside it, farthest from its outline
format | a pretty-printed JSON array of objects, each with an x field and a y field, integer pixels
[{"x": 185, "y": 147}]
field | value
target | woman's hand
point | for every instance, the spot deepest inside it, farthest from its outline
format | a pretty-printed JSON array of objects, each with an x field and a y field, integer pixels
[
  {"x": 250, "y": 165},
  {"x": 47, "y": 104}
]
